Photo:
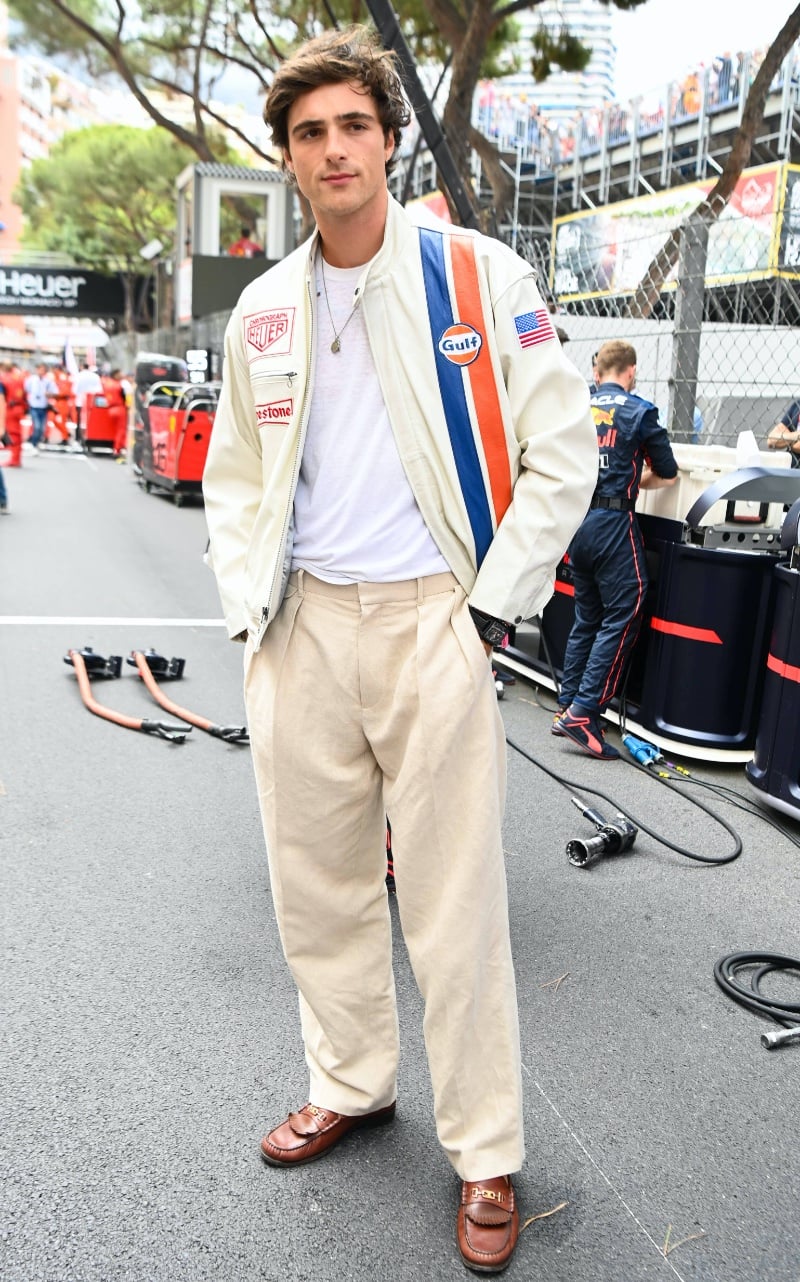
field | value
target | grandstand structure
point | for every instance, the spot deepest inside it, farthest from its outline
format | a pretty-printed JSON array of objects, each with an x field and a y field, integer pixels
[
  {"x": 597, "y": 197},
  {"x": 676, "y": 135}
]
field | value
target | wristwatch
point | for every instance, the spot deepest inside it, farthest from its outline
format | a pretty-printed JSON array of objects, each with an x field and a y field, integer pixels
[{"x": 491, "y": 630}]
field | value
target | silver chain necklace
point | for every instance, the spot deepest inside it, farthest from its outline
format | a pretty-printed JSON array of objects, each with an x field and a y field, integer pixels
[{"x": 336, "y": 345}]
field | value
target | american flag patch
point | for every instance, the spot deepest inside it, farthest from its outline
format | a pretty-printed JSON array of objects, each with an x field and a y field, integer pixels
[{"x": 533, "y": 327}]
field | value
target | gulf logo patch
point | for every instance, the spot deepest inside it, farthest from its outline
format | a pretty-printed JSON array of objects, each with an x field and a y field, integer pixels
[
  {"x": 460, "y": 343},
  {"x": 269, "y": 331},
  {"x": 274, "y": 412}
]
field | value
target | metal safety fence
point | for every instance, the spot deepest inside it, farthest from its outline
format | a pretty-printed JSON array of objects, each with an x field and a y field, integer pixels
[{"x": 717, "y": 333}]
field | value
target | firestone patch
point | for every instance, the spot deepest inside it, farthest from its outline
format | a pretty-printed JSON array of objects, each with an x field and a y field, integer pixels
[{"x": 274, "y": 412}]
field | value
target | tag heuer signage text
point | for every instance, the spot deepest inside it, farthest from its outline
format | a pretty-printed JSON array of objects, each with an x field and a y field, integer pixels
[{"x": 59, "y": 290}]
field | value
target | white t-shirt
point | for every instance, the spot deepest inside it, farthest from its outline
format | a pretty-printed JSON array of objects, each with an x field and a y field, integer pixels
[
  {"x": 87, "y": 381},
  {"x": 355, "y": 516}
]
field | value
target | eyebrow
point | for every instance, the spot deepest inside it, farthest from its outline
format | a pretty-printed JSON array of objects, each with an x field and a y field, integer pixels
[{"x": 343, "y": 119}]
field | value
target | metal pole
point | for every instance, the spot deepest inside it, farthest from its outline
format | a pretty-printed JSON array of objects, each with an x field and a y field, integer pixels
[
  {"x": 516, "y": 196},
  {"x": 688, "y": 328},
  {"x": 385, "y": 20}
]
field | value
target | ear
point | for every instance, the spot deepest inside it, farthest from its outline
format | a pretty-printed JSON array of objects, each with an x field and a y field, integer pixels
[{"x": 287, "y": 160}]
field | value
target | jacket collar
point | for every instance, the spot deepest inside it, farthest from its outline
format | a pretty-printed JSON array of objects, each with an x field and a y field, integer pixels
[{"x": 398, "y": 234}]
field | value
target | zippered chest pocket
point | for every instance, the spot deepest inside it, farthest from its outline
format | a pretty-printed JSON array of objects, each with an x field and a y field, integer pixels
[{"x": 276, "y": 407}]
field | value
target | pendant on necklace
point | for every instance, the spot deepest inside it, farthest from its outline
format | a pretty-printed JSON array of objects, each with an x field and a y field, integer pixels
[{"x": 336, "y": 345}]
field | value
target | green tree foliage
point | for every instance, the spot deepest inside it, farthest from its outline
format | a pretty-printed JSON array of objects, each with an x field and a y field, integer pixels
[
  {"x": 178, "y": 48},
  {"x": 101, "y": 195},
  {"x": 471, "y": 26},
  {"x": 191, "y": 50},
  {"x": 562, "y": 50}
]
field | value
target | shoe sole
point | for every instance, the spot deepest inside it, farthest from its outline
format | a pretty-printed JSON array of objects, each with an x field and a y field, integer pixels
[
  {"x": 382, "y": 1118},
  {"x": 487, "y": 1268}
]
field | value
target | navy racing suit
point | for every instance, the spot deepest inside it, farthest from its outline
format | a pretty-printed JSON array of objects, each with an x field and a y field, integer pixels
[{"x": 607, "y": 553}]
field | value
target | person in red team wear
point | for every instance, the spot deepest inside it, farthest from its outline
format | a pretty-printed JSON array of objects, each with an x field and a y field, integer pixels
[
  {"x": 117, "y": 409},
  {"x": 62, "y": 404},
  {"x": 246, "y": 247},
  {"x": 13, "y": 379}
]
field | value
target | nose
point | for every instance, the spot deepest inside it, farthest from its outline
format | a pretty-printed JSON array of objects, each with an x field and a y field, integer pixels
[{"x": 336, "y": 143}]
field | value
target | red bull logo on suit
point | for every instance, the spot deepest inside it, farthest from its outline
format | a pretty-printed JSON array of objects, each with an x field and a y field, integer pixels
[{"x": 602, "y": 417}]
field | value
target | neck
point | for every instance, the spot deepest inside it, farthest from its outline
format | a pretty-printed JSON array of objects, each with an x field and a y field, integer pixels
[{"x": 353, "y": 240}]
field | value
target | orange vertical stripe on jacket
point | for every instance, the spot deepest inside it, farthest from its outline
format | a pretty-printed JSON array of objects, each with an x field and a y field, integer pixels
[{"x": 481, "y": 375}]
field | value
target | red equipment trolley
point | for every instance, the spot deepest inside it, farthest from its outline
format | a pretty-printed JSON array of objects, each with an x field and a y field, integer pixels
[
  {"x": 177, "y": 420},
  {"x": 98, "y": 425},
  {"x": 151, "y": 367}
]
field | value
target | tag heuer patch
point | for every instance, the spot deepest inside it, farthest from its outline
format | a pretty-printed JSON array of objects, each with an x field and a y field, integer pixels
[{"x": 269, "y": 332}]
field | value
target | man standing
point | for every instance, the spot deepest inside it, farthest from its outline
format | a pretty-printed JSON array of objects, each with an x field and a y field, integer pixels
[
  {"x": 245, "y": 246},
  {"x": 16, "y": 407},
  {"x": 39, "y": 388},
  {"x": 785, "y": 435},
  {"x": 117, "y": 410},
  {"x": 3, "y": 490},
  {"x": 87, "y": 383},
  {"x": 64, "y": 401},
  {"x": 400, "y": 455},
  {"x": 607, "y": 554}
]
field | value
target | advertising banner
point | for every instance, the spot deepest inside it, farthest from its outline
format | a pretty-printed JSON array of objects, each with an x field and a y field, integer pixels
[
  {"x": 57, "y": 291},
  {"x": 789, "y": 238},
  {"x": 607, "y": 251}
]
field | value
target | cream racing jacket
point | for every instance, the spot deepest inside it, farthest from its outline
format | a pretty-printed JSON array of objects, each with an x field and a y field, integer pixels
[{"x": 492, "y": 422}]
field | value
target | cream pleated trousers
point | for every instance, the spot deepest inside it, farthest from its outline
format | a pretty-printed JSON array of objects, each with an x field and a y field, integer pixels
[{"x": 373, "y": 699}]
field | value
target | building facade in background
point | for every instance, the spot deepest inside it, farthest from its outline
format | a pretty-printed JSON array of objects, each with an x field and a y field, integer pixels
[
  {"x": 566, "y": 93},
  {"x": 39, "y": 103}
]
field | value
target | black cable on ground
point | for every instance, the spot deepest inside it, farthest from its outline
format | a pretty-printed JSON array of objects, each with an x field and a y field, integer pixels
[
  {"x": 787, "y": 1014},
  {"x": 664, "y": 841},
  {"x": 732, "y": 797},
  {"x": 680, "y": 776}
]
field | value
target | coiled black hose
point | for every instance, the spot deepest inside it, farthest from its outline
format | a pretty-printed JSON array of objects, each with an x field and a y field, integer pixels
[{"x": 785, "y": 1013}]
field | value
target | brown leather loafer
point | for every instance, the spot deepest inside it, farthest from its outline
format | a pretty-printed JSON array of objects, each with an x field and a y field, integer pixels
[
  {"x": 488, "y": 1224},
  {"x": 307, "y": 1135}
]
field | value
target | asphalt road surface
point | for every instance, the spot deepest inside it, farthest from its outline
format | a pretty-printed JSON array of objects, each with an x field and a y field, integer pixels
[{"x": 151, "y": 1031}]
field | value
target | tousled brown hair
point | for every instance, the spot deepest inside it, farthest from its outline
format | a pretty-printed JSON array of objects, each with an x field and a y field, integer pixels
[{"x": 354, "y": 54}]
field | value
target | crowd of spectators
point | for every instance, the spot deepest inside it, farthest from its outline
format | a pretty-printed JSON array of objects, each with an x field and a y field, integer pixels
[{"x": 514, "y": 123}]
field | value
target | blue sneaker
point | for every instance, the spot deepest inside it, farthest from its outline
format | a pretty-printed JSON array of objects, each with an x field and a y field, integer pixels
[{"x": 583, "y": 728}]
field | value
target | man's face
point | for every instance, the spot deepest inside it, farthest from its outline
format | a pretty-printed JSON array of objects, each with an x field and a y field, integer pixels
[{"x": 337, "y": 150}]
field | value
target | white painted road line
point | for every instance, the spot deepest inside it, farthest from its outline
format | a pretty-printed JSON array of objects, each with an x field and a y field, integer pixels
[{"x": 63, "y": 620}]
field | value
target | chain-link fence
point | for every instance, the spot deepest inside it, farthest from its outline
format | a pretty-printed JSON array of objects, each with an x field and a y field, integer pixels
[{"x": 716, "y": 335}]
